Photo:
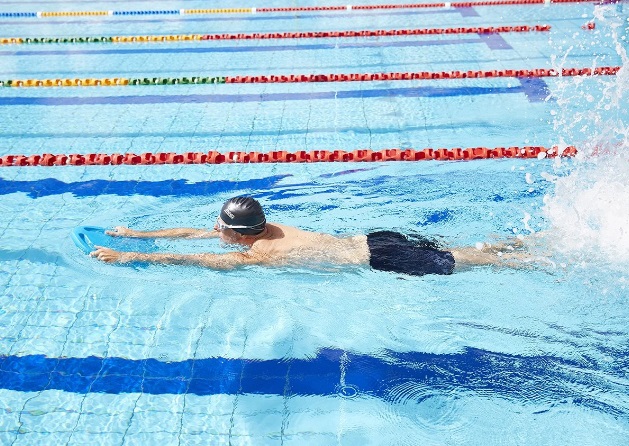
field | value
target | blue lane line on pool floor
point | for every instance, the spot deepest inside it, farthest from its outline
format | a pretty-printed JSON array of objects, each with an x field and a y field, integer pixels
[
  {"x": 464, "y": 12},
  {"x": 536, "y": 89},
  {"x": 178, "y": 188},
  {"x": 225, "y": 133},
  {"x": 392, "y": 376},
  {"x": 533, "y": 91},
  {"x": 494, "y": 41},
  {"x": 51, "y": 186}
]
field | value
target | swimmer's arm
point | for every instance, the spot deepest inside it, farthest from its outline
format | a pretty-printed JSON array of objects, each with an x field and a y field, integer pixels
[
  {"x": 121, "y": 231},
  {"x": 216, "y": 261}
]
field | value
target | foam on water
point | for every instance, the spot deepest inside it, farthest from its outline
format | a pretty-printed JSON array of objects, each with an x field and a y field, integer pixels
[{"x": 588, "y": 210}]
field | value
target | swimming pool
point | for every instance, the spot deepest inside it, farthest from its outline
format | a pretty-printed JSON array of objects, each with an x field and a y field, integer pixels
[{"x": 95, "y": 353}]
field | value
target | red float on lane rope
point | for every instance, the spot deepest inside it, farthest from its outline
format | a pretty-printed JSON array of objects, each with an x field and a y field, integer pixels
[
  {"x": 469, "y": 4},
  {"x": 456, "y": 74},
  {"x": 315, "y": 156},
  {"x": 380, "y": 32}
]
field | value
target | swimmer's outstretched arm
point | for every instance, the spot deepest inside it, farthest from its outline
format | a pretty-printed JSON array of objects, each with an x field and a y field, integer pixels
[
  {"x": 216, "y": 261},
  {"x": 121, "y": 231}
]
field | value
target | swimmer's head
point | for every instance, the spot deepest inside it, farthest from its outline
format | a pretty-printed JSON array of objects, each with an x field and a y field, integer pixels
[{"x": 243, "y": 215}]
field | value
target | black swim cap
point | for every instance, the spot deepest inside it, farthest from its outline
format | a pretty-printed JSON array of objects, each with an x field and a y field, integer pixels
[{"x": 244, "y": 215}]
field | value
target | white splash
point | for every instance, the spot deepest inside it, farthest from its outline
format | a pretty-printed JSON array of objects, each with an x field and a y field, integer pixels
[
  {"x": 589, "y": 208},
  {"x": 589, "y": 211}
]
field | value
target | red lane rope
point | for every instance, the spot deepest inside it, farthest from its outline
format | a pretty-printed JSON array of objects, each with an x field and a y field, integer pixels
[
  {"x": 380, "y": 32},
  {"x": 355, "y": 77},
  {"x": 419, "y": 5},
  {"x": 314, "y": 156}
]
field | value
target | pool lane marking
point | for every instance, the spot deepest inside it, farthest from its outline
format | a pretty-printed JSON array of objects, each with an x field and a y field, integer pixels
[
  {"x": 172, "y": 38},
  {"x": 343, "y": 8},
  {"x": 47, "y": 187},
  {"x": 302, "y": 156},
  {"x": 535, "y": 89},
  {"x": 493, "y": 42},
  {"x": 390, "y": 376},
  {"x": 307, "y": 78},
  {"x": 255, "y": 97}
]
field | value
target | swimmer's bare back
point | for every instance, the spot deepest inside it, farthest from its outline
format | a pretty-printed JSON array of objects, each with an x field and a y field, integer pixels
[{"x": 289, "y": 245}]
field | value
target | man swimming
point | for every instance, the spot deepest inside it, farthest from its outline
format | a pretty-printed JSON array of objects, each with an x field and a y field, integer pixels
[{"x": 242, "y": 222}]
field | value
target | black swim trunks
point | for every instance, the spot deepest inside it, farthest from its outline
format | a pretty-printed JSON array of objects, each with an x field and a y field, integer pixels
[{"x": 392, "y": 251}]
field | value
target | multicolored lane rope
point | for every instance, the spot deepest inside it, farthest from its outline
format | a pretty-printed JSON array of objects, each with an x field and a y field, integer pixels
[
  {"x": 169, "y": 38},
  {"x": 293, "y": 78},
  {"x": 315, "y": 156},
  {"x": 447, "y": 5}
]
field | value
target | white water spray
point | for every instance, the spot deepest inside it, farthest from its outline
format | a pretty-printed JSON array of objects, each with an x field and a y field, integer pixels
[{"x": 589, "y": 208}]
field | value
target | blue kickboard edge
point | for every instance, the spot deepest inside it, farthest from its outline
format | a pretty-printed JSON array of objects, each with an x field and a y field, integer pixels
[{"x": 86, "y": 238}]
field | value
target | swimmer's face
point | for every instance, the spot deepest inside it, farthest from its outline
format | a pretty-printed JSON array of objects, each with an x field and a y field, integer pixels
[{"x": 226, "y": 234}]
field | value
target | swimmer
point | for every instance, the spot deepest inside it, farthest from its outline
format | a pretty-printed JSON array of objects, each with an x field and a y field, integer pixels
[{"x": 242, "y": 222}]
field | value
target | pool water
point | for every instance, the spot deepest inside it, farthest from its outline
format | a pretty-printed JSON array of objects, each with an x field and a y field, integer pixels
[{"x": 104, "y": 354}]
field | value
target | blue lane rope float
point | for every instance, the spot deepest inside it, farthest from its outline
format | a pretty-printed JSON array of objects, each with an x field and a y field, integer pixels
[
  {"x": 18, "y": 14},
  {"x": 164, "y": 12}
]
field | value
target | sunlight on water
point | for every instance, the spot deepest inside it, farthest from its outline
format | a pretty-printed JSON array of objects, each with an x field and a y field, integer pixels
[{"x": 589, "y": 209}]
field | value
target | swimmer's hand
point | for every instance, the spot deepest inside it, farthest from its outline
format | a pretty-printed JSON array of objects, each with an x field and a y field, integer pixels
[
  {"x": 121, "y": 231},
  {"x": 110, "y": 256}
]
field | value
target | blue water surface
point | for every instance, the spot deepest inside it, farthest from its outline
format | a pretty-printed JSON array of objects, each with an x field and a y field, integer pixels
[{"x": 92, "y": 353}]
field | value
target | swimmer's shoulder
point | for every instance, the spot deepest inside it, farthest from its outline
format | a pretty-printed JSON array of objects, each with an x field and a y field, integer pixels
[
  {"x": 281, "y": 240},
  {"x": 286, "y": 233},
  {"x": 282, "y": 228},
  {"x": 270, "y": 246}
]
